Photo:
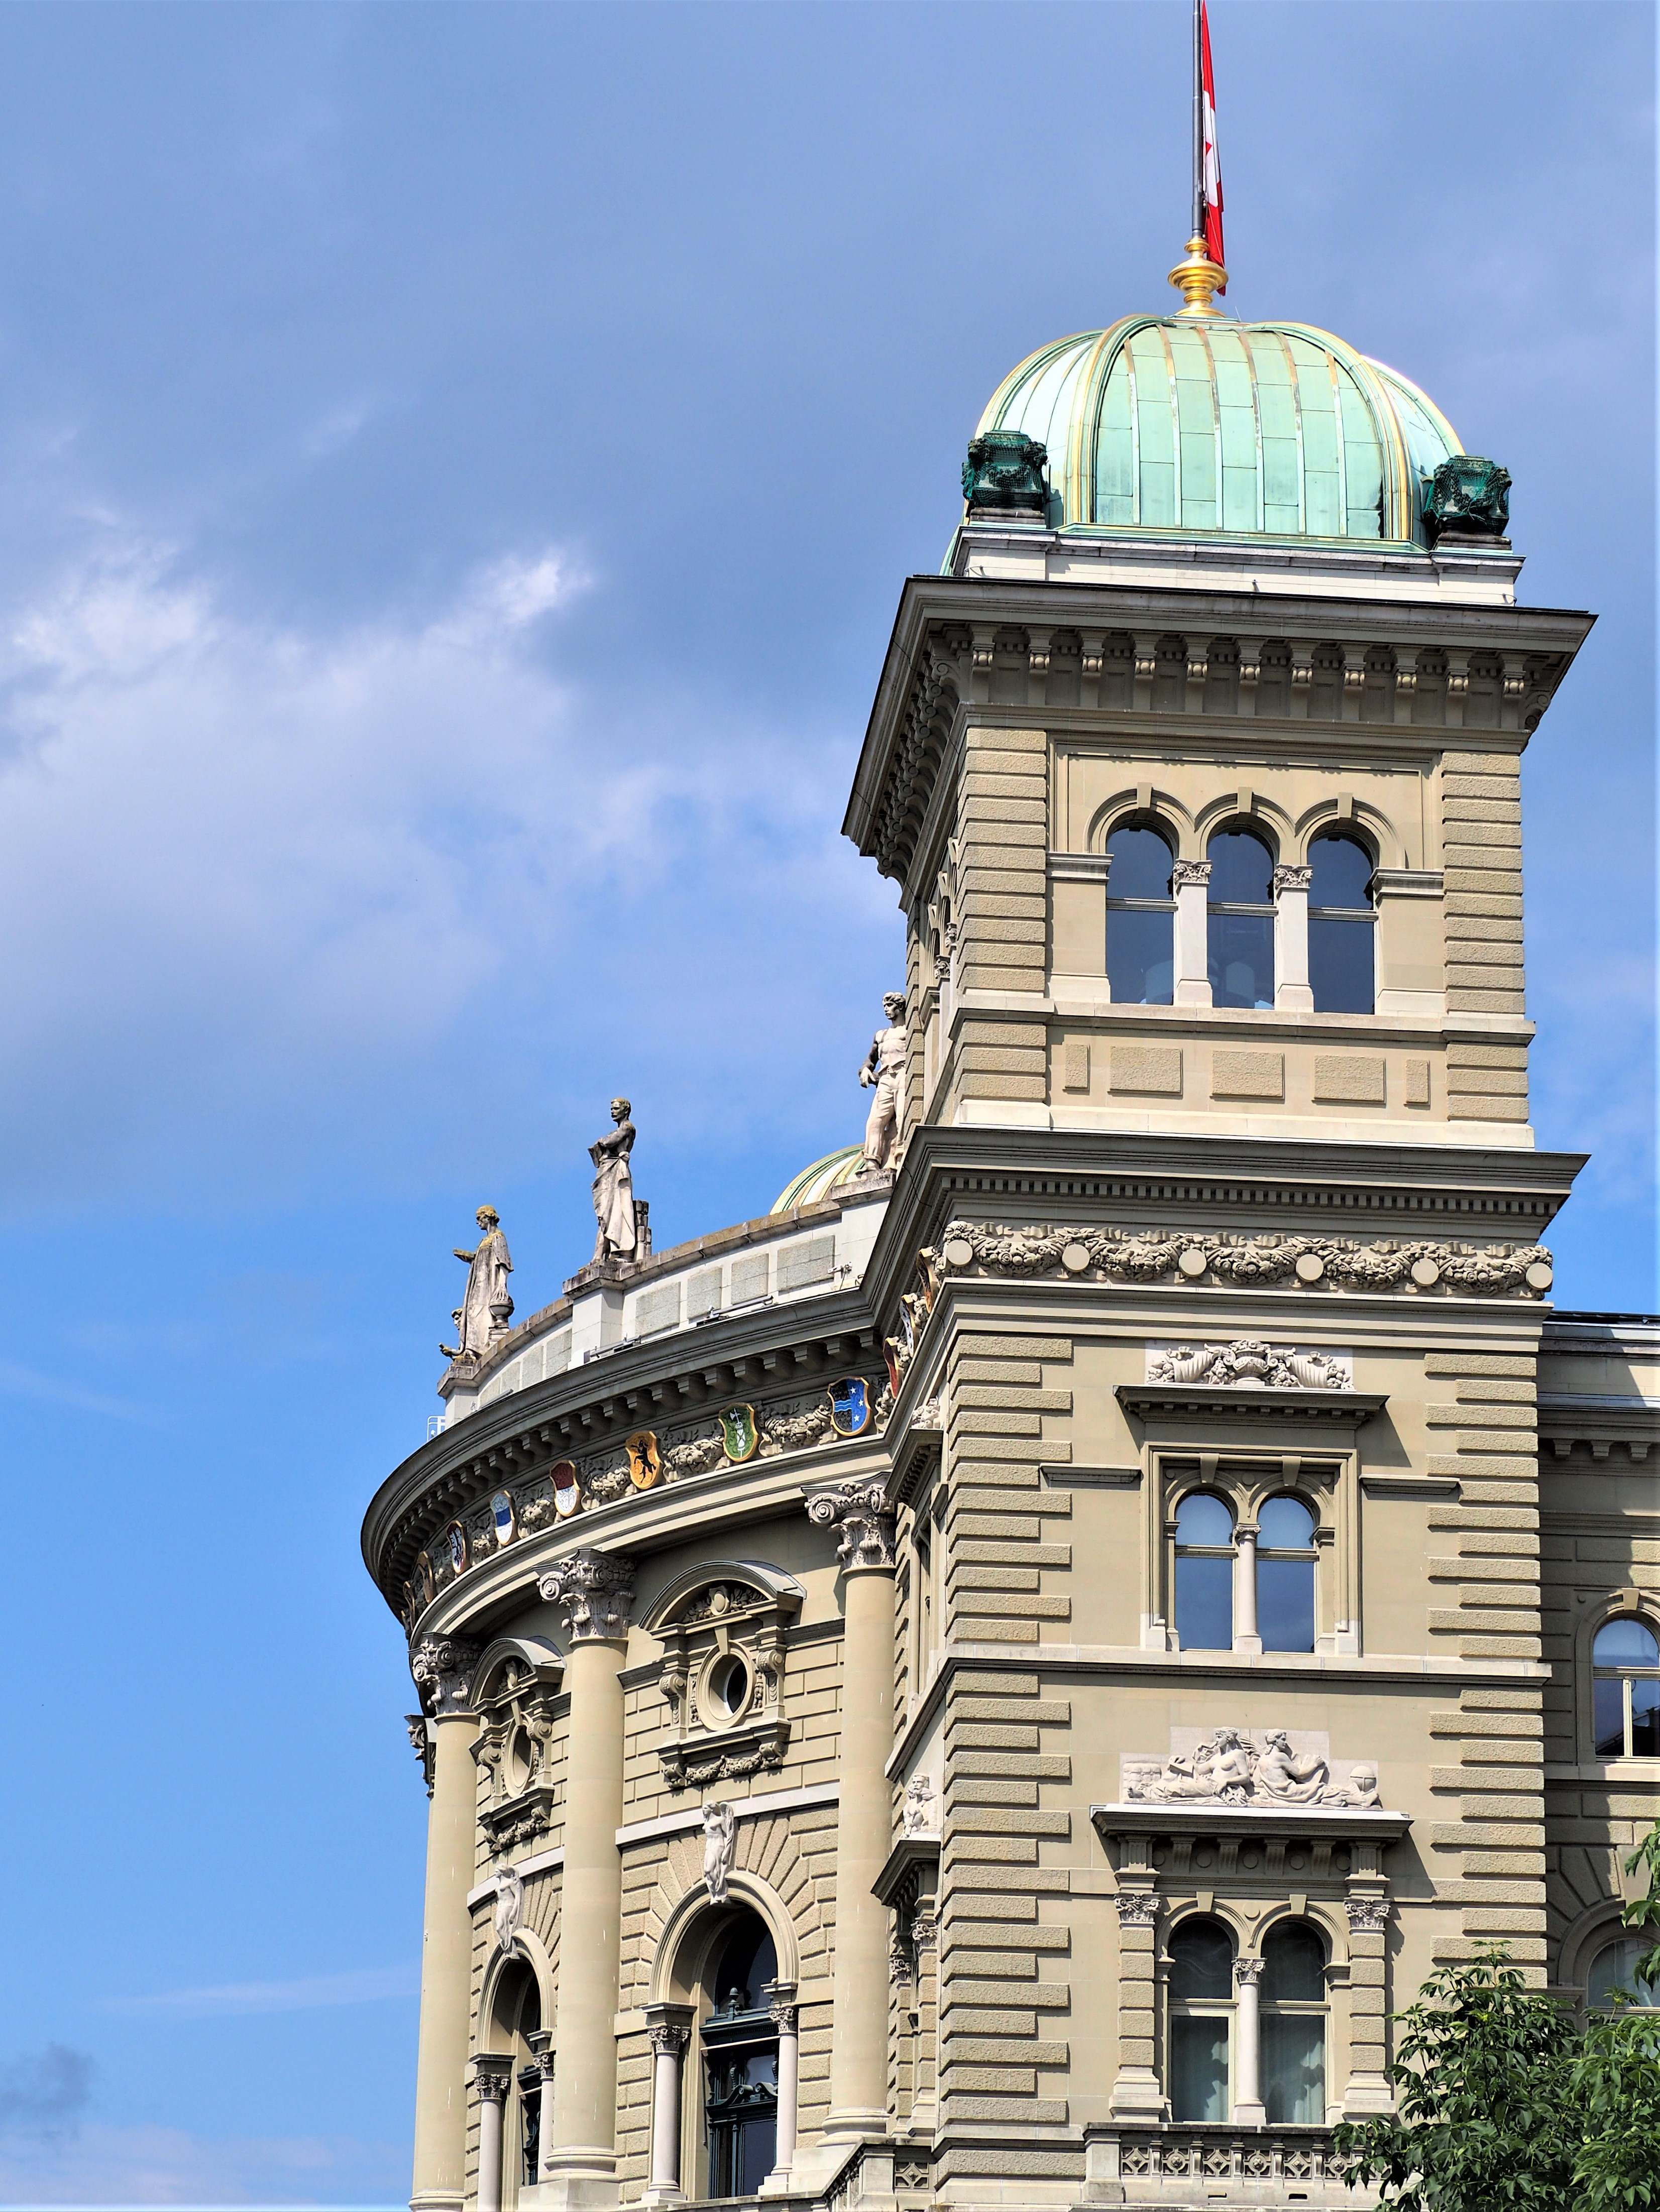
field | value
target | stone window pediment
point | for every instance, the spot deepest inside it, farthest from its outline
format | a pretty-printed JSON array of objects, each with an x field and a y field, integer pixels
[{"x": 723, "y": 1628}]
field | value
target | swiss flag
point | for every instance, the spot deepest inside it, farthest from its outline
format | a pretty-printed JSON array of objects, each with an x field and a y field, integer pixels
[{"x": 1210, "y": 183}]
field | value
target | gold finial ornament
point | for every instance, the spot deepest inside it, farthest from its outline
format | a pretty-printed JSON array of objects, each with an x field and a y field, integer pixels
[{"x": 1197, "y": 278}]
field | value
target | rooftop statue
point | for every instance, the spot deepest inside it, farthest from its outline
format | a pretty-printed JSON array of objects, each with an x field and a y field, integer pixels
[
  {"x": 885, "y": 1069},
  {"x": 486, "y": 1309},
  {"x": 614, "y": 1206}
]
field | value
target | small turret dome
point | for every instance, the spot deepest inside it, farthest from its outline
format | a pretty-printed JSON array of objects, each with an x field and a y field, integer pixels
[
  {"x": 1161, "y": 422},
  {"x": 820, "y": 1180}
]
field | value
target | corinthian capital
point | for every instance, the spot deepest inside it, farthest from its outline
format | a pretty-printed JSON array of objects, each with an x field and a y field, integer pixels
[
  {"x": 1287, "y": 878},
  {"x": 860, "y": 1514},
  {"x": 593, "y": 1591},
  {"x": 1189, "y": 872},
  {"x": 442, "y": 1667}
]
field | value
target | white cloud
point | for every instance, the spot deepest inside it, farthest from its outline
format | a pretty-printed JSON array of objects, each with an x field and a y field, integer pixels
[
  {"x": 361, "y": 1985},
  {"x": 109, "y": 2165},
  {"x": 277, "y": 895}
]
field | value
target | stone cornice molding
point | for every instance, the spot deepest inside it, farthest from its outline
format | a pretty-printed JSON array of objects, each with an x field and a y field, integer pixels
[
  {"x": 1191, "y": 1256},
  {"x": 863, "y": 1520},
  {"x": 593, "y": 1591}
]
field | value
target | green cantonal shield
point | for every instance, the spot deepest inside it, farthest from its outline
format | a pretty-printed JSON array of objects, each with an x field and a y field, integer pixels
[{"x": 739, "y": 1437}]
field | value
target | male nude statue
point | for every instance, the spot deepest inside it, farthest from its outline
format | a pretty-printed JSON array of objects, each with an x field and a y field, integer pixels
[{"x": 885, "y": 1070}]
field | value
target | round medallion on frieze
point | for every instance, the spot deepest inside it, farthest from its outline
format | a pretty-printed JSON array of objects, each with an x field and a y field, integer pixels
[
  {"x": 1425, "y": 1274},
  {"x": 1192, "y": 1261},
  {"x": 1539, "y": 1277},
  {"x": 958, "y": 1252},
  {"x": 1309, "y": 1267},
  {"x": 1074, "y": 1258}
]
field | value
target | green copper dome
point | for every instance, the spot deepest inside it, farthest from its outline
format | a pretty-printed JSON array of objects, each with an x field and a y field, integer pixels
[{"x": 1249, "y": 429}]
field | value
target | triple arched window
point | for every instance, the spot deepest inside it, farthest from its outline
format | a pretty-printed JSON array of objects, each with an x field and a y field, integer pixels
[{"x": 1263, "y": 924}]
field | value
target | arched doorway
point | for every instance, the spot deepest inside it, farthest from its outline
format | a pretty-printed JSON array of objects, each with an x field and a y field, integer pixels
[
  {"x": 515, "y": 2021},
  {"x": 739, "y": 2053}
]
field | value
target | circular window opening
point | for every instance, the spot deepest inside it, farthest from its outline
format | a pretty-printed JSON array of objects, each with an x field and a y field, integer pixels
[
  {"x": 520, "y": 1760},
  {"x": 728, "y": 1686}
]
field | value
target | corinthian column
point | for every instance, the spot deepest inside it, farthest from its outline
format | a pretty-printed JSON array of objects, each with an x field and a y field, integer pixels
[
  {"x": 859, "y": 1513},
  {"x": 1248, "y": 2110},
  {"x": 493, "y": 2079},
  {"x": 442, "y": 1667},
  {"x": 579, "y": 2154}
]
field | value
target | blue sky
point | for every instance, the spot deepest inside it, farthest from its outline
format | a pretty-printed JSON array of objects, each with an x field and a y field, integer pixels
[{"x": 459, "y": 462}]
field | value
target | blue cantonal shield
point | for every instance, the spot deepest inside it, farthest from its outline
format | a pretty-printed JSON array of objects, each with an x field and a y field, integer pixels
[{"x": 849, "y": 1400}]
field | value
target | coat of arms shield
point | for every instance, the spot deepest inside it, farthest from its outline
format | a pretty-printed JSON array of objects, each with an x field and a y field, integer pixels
[
  {"x": 566, "y": 1491},
  {"x": 503, "y": 1519},
  {"x": 740, "y": 1439},
  {"x": 645, "y": 1463},
  {"x": 454, "y": 1541},
  {"x": 849, "y": 1400}
]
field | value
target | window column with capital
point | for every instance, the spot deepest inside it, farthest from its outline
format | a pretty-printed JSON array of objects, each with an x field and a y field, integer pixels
[
  {"x": 442, "y": 1667},
  {"x": 1248, "y": 2110},
  {"x": 1137, "y": 2092},
  {"x": 668, "y": 2028},
  {"x": 492, "y": 2078},
  {"x": 1190, "y": 881},
  {"x": 860, "y": 1514},
  {"x": 593, "y": 1591},
  {"x": 780, "y": 2004},
  {"x": 1293, "y": 992}
]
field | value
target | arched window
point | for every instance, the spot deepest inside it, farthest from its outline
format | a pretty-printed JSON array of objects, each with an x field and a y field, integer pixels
[
  {"x": 1285, "y": 1575},
  {"x": 1140, "y": 920},
  {"x": 1204, "y": 1573},
  {"x": 740, "y": 2061},
  {"x": 1295, "y": 2025},
  {"x": 1240, "y": 942},
  {"x": 1626, "y": 1722},
  {"x": 1201, "y": 2019},
  {"x": 1342, "y": 960},
  {"x": 1614, "y": 1975}
]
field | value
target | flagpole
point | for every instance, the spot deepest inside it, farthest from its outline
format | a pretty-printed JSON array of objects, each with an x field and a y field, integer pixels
[{"x": 1198, "y": 134}]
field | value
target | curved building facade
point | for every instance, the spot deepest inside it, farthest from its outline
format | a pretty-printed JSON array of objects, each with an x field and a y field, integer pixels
[{"x": 988, "y": 1684}]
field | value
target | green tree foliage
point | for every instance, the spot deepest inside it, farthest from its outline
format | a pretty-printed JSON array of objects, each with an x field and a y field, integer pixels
[{"x": 1506, "y": 2106}]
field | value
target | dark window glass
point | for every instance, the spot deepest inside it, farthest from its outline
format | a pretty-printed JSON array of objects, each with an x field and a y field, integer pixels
[
  {"x": 1625, "y": 1643},
  {"x": 1141, "y": 865},
  {"x": 1201, "y": 1962},
  {"x": 1284, "y": 1604},
  {"x": 1285, "y": 1575},
  {"x": 1645, "y": 1718},
  {"x": 1202, "y": 1519},
  {"x": 1341, "y": 955},
  {"x": 1241, "y": 869},
  {"x": 1199, "y": 2068},
  {"x": 1294, "y": 2069},
  {"x": 1240, "y": 944},
  {"x": 1342, "y": 873},
  {"x": 1240, "y": 959},
  {"x": 1293, "y": 1961},
  {"x": 1141, "y": 955},
  {"x": 1140, "y": 935},
  {"x": 1614, "y": 1974},
  {"x": 1204, "y": 1577}
]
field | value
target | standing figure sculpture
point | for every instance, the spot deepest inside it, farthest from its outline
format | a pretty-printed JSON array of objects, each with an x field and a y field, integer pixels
[
  {"x": 720, "y": 1843},
  {"x": 486, "y": 1309},
  {"x": 620, "y": 1226},
  {"x": 885, "y": 1069}
]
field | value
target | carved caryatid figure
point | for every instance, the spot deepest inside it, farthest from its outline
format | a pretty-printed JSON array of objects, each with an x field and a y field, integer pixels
[
  {"x": 720, "y": 1843},
  {"x": 884, "y": 1071},
  {"x": 618, "y": 1237},
  {"x": 484, "y": 1313}
]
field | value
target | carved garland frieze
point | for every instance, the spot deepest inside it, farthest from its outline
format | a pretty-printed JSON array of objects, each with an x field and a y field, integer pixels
[
  {"x": 1145, "y": 1256},
  {"x": 1249, "y": 1361}
]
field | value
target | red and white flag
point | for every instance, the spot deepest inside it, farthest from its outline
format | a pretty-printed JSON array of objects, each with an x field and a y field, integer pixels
[{"x": 1210, "y": 174}]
